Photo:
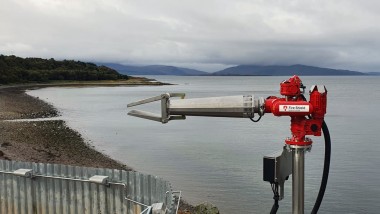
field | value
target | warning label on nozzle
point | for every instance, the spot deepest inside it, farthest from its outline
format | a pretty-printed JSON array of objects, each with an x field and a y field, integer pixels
[{"x": 294, "y": 108}]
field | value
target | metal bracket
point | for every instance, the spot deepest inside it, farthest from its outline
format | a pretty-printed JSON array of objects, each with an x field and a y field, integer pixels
[
  {"x": 165, "y": 115},
  {"x": 277, "y": 168},
  {"x": 28, "y": 173},
  {"x": 99, "y": 179}
]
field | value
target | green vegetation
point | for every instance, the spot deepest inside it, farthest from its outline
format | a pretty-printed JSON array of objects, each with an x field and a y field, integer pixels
[{"x": 15, "y": 69}]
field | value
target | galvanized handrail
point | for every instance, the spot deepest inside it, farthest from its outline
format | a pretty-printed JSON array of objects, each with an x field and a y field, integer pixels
[
  {"x": 31, "y": 187},
  {"x": 82, "y": 180},
  {"x": 126, "y": 198},
  {"x": 179, "y": 199},
  {"x": 148, "y": 210}
]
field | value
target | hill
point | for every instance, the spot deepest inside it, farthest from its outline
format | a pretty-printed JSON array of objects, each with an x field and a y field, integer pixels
[
  {"x": 277, "y": 70},
  {"x": 154, "y": 70},
  {"x": 374, "y": 73},
  {"x": 240, "y": 70},
  {"x": 15, "y": 69}
]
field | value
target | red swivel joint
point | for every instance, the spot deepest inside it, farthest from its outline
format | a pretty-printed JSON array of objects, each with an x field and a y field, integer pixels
[
  {"x": 291, "y": 87},
  {"x": 306, "y": 117}
]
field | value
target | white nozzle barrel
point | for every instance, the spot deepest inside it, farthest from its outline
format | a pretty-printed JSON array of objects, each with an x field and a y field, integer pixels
[{"x": 228, "y": 106}]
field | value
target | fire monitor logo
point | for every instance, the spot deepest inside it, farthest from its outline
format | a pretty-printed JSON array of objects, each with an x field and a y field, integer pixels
[{"x": 294, "y": 108}]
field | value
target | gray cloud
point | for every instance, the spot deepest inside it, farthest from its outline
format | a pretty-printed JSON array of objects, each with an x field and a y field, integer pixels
[{"x": 200, "y": 34}]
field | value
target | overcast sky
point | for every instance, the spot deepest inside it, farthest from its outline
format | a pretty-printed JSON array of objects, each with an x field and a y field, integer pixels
[{"x": 201, "y": 34}]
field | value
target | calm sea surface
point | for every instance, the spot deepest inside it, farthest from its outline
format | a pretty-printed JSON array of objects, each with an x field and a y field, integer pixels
[{"x": 220, "y": 159}]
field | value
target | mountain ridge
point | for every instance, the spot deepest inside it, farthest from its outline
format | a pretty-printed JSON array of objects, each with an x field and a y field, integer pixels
[
  {"x": 239, "y": 70},
  {"x": 281, "y": 70},
  {"x": 154, "y": 70}
]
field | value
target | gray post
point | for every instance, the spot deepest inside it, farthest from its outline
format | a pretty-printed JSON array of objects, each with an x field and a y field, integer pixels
[{"x": 298, "y": 178}]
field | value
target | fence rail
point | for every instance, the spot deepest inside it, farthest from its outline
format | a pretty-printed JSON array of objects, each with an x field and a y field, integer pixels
[{"x": 56, "y": 189}]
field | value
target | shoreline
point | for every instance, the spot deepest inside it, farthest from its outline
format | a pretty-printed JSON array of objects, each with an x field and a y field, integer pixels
[
  {"x": 53, "y": 141},
  {"x": 49, "y": 141},
  {"x": 45, "y": 141}
]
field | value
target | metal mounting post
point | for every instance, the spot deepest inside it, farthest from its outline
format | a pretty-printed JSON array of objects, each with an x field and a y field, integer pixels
[{"x": 298, "y": 178}]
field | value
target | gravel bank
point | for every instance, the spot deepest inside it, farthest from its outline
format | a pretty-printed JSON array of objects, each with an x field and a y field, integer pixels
[
  {"x": 51, "y": 141},
  {"x": 42, "y": 141}
]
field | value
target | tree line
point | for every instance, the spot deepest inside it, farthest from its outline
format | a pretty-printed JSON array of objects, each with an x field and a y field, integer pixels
[{"x": 15, "y": 69}]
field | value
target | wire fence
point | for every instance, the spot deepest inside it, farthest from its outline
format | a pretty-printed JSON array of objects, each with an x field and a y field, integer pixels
[{"x": 27, "y": 187}]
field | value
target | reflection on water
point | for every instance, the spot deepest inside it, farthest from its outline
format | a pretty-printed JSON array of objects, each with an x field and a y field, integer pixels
[{"x": 220, "y": 159}]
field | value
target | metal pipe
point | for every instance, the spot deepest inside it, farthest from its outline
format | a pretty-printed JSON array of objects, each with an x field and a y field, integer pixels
[
  {"x": 126, "y": 194},
  {"x": 298, "y": 180},
  {"x": 228, "y": 106},
  {"x": 243, "y": 106},
  {"x": 62, "y": 178},
  {"x": 148, "y": 210},
  {"x": 179, "y": 199},
  {"x": 4, "y": 172}
]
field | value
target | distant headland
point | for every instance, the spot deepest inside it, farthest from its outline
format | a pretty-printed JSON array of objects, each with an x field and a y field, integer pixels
[
  {"x": 239, "y": 70},
  {"x": 15, "y": 69}
]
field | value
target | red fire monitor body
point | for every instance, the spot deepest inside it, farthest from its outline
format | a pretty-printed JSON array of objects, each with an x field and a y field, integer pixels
[{"x": 306, "y": 117}]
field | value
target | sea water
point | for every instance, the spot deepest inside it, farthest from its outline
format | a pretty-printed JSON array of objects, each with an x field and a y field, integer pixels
[{"x": 220, "y": 159}]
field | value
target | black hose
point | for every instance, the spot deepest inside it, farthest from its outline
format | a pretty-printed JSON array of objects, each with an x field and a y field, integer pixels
[
  {"x": 326, "y": 168},
  {"x": 326, "y": 165},
  {"x": 276, "y": 198},
  {"x": 274, "y": 207}
]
